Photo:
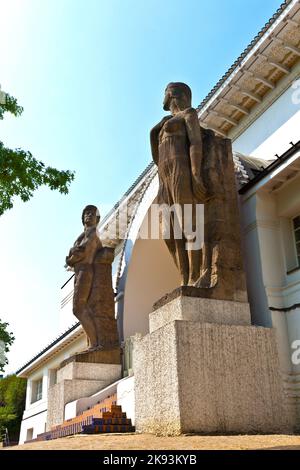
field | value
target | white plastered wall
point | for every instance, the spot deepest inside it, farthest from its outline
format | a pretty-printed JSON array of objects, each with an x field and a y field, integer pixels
[
  {"x": 274, "y": 290},
  {"x": 35, "y": 414},
  {"x": 273, "y": 131}
]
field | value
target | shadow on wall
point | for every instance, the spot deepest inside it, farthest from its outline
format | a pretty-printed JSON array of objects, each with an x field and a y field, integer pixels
[{"x": 151, "y": 274}]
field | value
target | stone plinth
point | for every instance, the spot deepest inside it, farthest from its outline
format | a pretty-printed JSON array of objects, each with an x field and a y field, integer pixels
[
  {"x": 85, "y": 371},
  {"x": 195, "y": 377},
  {"x": 76, "y": 380},
  {"x": 198, "y": 292},
  {"x": 101, "y": 356},
  {"x": 202, "y": 310}
]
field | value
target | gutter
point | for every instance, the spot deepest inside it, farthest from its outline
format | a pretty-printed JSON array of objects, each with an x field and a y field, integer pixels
[{"x": 280, "y": 159}]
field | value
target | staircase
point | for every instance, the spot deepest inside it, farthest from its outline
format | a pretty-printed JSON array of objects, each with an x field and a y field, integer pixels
[
  {"x": 111, "y": 421},
  {"x": 105, "y": 417}
]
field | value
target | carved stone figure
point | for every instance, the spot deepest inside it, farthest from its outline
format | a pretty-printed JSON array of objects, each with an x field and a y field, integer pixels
[
  {"x": 93, "y": 299},
  {"x": 196, "y": 167}
]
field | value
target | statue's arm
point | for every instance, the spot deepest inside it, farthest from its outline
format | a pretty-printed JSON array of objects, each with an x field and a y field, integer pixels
[
  {"x": 77, "y": 252},
  {"x": 196, "y": 153},
  {"x": 154, "y": 133}
]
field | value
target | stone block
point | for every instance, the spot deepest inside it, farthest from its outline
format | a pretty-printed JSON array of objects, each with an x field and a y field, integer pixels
[
  {"x": 201, "y": 310},
  {"x": 85, "y": 371},
  {"x": 77, "y": 380},
  {"x": 68, "y": 390},
  {"x": 193, "y": 377},
  {"x": 100, "y": 356}
]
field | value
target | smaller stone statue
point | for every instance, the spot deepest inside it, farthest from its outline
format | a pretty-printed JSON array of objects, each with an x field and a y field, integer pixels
[{"x": 93, "y": 299}]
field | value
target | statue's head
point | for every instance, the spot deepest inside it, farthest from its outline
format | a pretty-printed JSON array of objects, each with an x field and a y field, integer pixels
[
  {"x": 90, "y": 216},
  {"x": 178, "y": 93}
]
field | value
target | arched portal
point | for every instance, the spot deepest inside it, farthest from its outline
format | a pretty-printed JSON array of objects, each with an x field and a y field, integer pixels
[
  {"x": 151, "y": 274},
  {"x": 146, "y": 271}
]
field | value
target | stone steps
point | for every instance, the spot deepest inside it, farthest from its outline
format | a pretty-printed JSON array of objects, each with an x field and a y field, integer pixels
[
  {"x": 105, "y": 417},
  {"x": 100, "y": 421},
  {"x": 106, "y": 428}
]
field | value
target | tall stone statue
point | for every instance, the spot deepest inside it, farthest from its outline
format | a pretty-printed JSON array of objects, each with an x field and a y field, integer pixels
[
  {"x": 196, "y": 167},
  {"x": 93, "y": 299}
]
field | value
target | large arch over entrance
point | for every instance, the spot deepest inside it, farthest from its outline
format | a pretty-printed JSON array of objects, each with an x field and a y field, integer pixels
[
  {"x": 146, "y": 272},
  {"x": 151, "y": 274}
]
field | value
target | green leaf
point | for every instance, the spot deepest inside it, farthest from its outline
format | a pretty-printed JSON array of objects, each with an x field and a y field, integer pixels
[{"x": 21, "y": 174}]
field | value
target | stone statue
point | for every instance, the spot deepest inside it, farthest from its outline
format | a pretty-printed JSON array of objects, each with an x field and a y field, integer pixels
[
  {"x": 196, "y": 167},
  {"x": 93, "y": 299}
]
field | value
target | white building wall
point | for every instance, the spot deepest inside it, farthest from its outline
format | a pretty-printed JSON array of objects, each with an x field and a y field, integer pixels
[
  {"x": 274, "y": 292},
  {"x": 35, "y": 414},
  {"x": 126, "y": 397},
  {"x": 253, "y": 263},
  {"x": 273, "y": 131},
  {"x": 36, "y": 422}
]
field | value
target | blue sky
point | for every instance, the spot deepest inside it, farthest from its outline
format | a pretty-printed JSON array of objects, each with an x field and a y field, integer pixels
[{"x": 90, "y": 75}]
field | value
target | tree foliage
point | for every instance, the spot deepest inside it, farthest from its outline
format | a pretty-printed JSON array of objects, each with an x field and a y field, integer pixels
[
  {"x": 12, "y": 391},
  {"x": 20, "y": 173},
  {"x": 6, "y": 340},
  {"x": 12, "y": 404},
  {"x": 10, "y": 105}
]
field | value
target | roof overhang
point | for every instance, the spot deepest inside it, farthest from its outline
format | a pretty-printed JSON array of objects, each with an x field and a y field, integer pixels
[
  {"x": 56, "y": 346},
  {"x": 260, "y": 75},
  {"x": 277, "y": 175}
]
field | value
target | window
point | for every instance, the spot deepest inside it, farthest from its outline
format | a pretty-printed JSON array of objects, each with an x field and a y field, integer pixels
[
  {"x": 29, "y": 434},
  {"x": 37, "y": 390},
  {"x": 296, "y": 224}
]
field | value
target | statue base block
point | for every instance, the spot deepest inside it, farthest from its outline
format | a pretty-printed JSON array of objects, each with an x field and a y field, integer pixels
[
  {"x": 99, "y": 356},
  {"x": 214, "y": 293},
  {"x": 77, "y": 380},
  {"x": 193, "y": 308},
  {"x": 208, "y": 378}
]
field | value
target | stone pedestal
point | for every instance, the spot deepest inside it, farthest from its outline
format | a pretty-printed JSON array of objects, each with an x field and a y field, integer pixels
[
  {"x": 76, "y": 380},
  {"x": 100, "y": 356},
  {"x": 196, "y": 376},
  {"x": 201, "y": 310}
]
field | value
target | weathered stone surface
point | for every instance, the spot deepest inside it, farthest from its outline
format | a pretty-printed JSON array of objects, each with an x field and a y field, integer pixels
[
  {"x": 102, "y": 356},
  {"x": 157, "y": 398},
  {"x": 196, "y": 167},
  {"x": 68, "y": 390},
  {"x": 76, "y": 380},
  {"x": 93, "y": 299},
  {"x": 84, "y": 371},
  {"x": 197, "y": 292},
  {"x": 202, "y": 310},
  {"x": 101, "y": 300},
  {"x": 209, "y": 378}
]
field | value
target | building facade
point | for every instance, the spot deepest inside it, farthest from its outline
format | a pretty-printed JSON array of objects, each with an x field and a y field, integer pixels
[{"x": 257, "y": 105}]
